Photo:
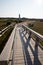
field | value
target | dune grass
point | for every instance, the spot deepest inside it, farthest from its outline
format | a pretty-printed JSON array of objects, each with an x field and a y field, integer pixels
[
  {"x": 2, "y": 25},
  {"x": 38, "y": 27},
  {"x": 4, "y": 38}
]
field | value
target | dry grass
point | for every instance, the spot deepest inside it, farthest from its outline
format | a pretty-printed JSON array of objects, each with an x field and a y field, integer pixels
[
  {"x": 4, "y": 38},
  {"x": 38, "y": 27},
  {"x": 2, "y": 25}
]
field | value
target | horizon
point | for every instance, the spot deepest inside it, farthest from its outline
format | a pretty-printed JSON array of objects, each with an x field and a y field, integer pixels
[{"x": 21, "y": 17}]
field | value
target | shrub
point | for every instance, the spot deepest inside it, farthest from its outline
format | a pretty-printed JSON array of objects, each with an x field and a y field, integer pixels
[
  {"x": 8, "y": 23},
  {"x": 31, "y": 25}
]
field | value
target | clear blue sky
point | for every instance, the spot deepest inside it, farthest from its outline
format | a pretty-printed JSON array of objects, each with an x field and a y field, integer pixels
[{"x": 26, "y": 8}]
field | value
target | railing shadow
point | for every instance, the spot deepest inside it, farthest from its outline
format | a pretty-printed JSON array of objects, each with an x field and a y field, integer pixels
[
  {"x": 34, "y": 52},
  {"x": 36, "y": 59}
]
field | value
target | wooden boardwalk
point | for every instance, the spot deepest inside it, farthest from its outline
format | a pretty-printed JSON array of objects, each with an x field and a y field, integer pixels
[
  {"x": 22, "y": 49},
  {"x": 18, "y": 50},
  {"x": 34, "y": 55},
  {"x": 25, "y": 48}
]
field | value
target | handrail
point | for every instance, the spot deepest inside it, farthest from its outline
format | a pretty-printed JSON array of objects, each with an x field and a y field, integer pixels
[
  {"x": 33, "y": 32},
  {"x": 38, "y": 36},
  {"x": 4, "y": 29},
  {"x": 5, "y": 55}
]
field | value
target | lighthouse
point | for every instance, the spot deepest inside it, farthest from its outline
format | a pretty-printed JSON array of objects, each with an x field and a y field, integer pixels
[{"x": 19, "y": 16}]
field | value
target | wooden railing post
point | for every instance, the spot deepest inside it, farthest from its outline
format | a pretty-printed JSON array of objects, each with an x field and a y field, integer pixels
[
  {"x": 26, "y": 31},
  {"x": 29, "y": 34},
  {"x": 36, "y": 42}
]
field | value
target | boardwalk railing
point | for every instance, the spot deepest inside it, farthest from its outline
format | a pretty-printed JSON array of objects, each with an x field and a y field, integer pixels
[
  {"x": 5, "y": 28},
  {"x": 37, "y": 35},
  {"x": 5, "y": 55}
]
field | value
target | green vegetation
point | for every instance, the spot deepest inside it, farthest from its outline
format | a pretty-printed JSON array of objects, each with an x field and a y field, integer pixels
[
  {"x": 2, "y": 25},
  {"x": 38, "y": 27},
  {"x": 5, "y": 22},
  {"x": 4, "y": 38}
]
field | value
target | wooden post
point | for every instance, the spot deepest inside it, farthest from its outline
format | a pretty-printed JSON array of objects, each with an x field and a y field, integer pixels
[
  {"x": 36, "y": 42},
  {"x": 29, "y": 34}
]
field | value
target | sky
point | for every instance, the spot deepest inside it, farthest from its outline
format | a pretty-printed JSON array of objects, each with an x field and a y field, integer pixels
[{"x": 26, "y": 8}]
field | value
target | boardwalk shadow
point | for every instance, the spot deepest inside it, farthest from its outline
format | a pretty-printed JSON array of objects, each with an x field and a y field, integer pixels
[{"x": 34, "y": 52}]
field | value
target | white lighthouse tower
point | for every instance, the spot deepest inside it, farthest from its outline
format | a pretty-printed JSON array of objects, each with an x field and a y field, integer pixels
[{"x": 19, "y": 16}]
